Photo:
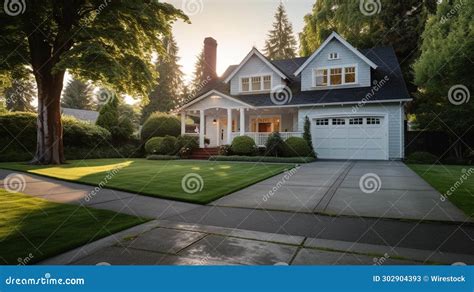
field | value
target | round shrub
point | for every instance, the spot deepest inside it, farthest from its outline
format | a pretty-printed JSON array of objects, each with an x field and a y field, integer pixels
[
  {"x": 161, "y": 145},
  {"x": 297, "y": 147},
  {"x": 275, "y": 146},
  {"x": 243, "y": 145},
  {"x": 161, "y": 125},
  {"x": 421, "y": 158},
  {"x": 190, "y": 142}
]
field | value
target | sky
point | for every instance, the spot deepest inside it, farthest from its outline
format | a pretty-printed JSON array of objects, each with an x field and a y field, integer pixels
[{"x": 237, "y": 25}]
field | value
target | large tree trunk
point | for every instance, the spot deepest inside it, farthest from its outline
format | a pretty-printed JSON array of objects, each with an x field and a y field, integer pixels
[{"x": 49, "y": 144}]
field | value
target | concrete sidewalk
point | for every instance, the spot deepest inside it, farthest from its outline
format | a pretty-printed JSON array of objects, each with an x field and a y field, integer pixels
[
  {"x": 80, "y": 194},
  {"x": 162, "y": 242}
]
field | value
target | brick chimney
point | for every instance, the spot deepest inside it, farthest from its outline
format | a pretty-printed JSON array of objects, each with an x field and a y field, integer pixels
[{"x": 210, "y": 58}]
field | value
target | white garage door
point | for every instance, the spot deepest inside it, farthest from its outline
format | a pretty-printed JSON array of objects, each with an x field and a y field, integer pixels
[{"x": 350, "y": 138}]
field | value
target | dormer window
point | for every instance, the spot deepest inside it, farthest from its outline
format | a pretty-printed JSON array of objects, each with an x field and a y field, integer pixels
[
  {"x": 334, "y": 76},
  {"x": 256, "y": 83},
  {"x": 333, "y": 56}
]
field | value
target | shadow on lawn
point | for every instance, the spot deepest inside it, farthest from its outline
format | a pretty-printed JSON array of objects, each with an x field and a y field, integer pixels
[{"x": 35, "y": 229}]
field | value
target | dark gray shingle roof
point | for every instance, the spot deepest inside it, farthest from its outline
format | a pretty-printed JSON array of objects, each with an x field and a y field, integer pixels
[{"x": 388, "y": 67}]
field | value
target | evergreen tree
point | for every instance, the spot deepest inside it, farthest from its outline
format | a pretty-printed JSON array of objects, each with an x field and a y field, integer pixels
[
  {"x": 78, "y": 95},
  {"x": 198, "y": 74},
  {"x": 281, "y": 43},
  {"x": 19, "y": 96},
  {"x": 166, "y": 94},
  {"x": 119, "y": 125},
  {"x": 398, "y": 24},
  {"x": 307, "y": 134}
]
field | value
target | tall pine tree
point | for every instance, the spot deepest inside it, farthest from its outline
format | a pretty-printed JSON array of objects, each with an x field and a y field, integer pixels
[
  {"x": 280, "y": 43},
  {"x": 78, "y": 95},
  {"x": 19, "y": 96},
  {"x": 198, "y": 74},
  {"x": 166, "y": 94}
]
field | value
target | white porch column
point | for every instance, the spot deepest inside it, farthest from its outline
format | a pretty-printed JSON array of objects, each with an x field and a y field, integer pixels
[
  {"x": 229, "y": 125},
  {"x": 183, "y": 123},
  {"x": 201, "y": 128},
  {"x": 242, "y": 121}
]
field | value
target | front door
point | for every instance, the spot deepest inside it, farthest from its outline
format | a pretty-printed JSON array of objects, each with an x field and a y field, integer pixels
[{"x": 264, "y": 127}]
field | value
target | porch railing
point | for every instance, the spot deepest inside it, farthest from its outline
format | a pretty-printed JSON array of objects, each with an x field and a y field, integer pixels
[{"x": 261, "y": 138}]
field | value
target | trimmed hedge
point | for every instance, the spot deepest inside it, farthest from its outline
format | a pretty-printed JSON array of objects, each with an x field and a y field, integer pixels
[
  {"x": 18, "y": 135},
  {"x": 297, "y": 147},
  {"x": 263, "y": 159},
  {"x": 161, "y": 125},
  {"x": 243, "y": 145},
  {"x": 161, "y": 145},
  {"x": 421, "y": 158},
  {"x": 162, "y": 157}
]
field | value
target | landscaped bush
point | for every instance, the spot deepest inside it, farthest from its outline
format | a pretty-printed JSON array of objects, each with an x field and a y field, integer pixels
[
  {"x": 160, "y": 125},
  {"x": 243, "y": 145},
  {"x": 225, "y": 150},
  {"x": 82, "y": 134},
  {"x": 161, "y": 145},
  {"x": 187, "y": 141},
  {"x": 297, "y": 147},
  {"x": 162, "y": 157},
  {"x": 20, "y": 125},
  {"x": 263, "y": 159},
  {"x": 421, "y": 158},
  {"x": 275, "y": 146}
]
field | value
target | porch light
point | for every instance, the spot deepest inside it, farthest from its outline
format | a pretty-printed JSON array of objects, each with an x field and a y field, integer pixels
[
  {"x": 215, "y": 96},
  {"x": 214, "y": 122}
]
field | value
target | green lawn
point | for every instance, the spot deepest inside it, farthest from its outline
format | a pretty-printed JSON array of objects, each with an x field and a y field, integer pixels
[
  {"x": 445, "y": 178},
  {"x": 162, "y": 178},
  {"x": 32, "y": 229}
]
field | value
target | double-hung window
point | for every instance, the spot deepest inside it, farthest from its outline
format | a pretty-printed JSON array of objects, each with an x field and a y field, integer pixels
[
  {"x": 349, "y": 75},
  {"x": 256, "y": 83},
  {"x": 336, "y": 76},
  {"x": 322, "y": 77}
]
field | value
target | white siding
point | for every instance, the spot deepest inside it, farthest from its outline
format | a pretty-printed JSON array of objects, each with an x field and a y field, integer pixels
[
  {"x": 393, "y": 111},
  {"x": 254, "y": 66},
  {"x": 346, "y": 57}
]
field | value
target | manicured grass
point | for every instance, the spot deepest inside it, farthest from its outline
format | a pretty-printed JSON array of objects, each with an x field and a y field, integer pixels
[
  {"x": 32, "y": 229},
  {"x": 458, "y": 180},
  {"x": 162, "y": 178}
]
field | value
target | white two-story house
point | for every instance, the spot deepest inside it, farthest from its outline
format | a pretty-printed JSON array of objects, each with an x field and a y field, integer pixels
[{"x": 354, "y": 99}]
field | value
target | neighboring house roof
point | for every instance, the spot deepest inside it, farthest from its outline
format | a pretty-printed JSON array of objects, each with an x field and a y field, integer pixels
[
  {"x": 334, "y": 35},
  {"x": 83, "y": 115},
  {"x": 255, "y": 52},
  {"x": 387, "y": 67}
]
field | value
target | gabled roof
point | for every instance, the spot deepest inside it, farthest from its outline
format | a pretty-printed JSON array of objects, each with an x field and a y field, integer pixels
[
  {"x": 83, "y": 115},
  {"x": 334, "y": 35},
  {"x": 216, "y": 92},
  {"x": 255, "y": 52}
]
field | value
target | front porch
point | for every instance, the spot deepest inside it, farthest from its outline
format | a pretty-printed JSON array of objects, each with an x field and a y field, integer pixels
[{"x": 218, "y": 124}]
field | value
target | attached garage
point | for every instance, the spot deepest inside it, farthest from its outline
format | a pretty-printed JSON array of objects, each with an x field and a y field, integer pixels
[{"x": 351, "y": 137}]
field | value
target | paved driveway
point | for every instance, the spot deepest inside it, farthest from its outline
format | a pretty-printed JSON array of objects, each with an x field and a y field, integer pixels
[{"x": 382, "y": 189}]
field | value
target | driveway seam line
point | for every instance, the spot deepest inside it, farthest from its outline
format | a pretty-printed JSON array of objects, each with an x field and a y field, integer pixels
[{"x": 328, "y": 196}]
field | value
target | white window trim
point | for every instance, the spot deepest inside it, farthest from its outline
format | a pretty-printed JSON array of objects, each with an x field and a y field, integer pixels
[
  {"x": 343, "y": 67},
  {"x": 332, "y": 59},
  {"x": 261, "y": 83}
]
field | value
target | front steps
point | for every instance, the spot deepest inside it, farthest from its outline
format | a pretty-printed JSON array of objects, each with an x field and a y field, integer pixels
[{"x": 204, "y": 153}]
